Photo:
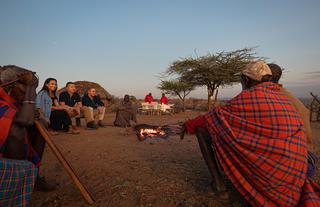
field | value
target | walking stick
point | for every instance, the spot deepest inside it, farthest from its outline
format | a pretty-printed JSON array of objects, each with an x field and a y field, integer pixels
[{"x": 84, "y": 191}]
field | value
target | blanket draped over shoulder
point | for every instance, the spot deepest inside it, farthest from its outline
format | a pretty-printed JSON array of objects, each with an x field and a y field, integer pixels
[
  {"x": 125, "y": 113},
  {"x": 8, "y": 110},
  {"x": 260, "y": 143}
]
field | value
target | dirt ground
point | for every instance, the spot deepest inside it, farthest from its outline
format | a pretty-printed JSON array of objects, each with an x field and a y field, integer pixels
[{"x": 119, "y": 170}]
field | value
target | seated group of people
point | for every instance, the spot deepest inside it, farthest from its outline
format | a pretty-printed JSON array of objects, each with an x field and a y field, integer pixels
[
  {"x": 21, "y": 143},
  {"x": 58, "y": 111}
]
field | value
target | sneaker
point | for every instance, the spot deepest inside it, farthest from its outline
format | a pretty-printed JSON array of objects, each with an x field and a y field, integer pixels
[
  {"x": 101, "y": 124},
  {"x": 42, "y": 185},
  {"x": 92, "y": 125}
]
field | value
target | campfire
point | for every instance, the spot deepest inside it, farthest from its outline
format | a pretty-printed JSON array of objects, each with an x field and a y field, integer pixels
[{"x": 144, "y": 131}]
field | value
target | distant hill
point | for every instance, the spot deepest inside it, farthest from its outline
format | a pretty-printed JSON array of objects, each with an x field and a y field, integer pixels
[{"x": 84, "y": 86}]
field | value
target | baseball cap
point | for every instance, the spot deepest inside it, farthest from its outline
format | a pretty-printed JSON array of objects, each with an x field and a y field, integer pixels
[{"x": 256, "y": 70}]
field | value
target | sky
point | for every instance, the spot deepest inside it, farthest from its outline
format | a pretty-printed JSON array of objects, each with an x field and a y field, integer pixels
[{"x": 125, "y": 45}]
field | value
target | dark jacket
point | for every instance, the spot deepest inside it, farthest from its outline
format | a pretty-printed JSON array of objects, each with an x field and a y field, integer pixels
[{"x": 94, "y": 103}]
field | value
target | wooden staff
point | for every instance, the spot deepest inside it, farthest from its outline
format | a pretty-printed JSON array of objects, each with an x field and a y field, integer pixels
[{"x": 84, "y": 191}]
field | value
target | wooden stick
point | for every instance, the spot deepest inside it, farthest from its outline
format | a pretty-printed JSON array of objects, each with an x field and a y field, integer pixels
[{"x": 85, "y": 193}]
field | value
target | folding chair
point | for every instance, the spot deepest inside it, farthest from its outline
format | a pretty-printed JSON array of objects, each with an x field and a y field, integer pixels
[{"x": 145, "y": 108}]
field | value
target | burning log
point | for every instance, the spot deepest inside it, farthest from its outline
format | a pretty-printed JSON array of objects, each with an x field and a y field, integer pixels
[{"x": 144, "y": 131}]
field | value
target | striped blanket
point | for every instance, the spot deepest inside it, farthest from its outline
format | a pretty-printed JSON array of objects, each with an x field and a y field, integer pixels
[
  {"x": 260, "y": 142},
  {"x": 17, "y": 179}
]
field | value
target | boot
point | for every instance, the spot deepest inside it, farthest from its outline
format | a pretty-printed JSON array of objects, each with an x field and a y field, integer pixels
[
  {"x": 92, "y": 125},
  {"x": 101, "y": 124}
]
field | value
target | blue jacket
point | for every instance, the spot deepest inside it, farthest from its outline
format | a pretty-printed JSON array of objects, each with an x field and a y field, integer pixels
[{"x": 44, "y": 102}]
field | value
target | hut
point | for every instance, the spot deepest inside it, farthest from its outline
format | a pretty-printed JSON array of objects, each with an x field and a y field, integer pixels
[{"x": 84, "y": 86}]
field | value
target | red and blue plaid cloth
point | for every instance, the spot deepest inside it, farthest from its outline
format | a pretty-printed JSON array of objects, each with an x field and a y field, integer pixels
[
  {"x": 7, "y": 112},
  {"x": 17, "y": 178},
  {"x": 260, "y": 142}
]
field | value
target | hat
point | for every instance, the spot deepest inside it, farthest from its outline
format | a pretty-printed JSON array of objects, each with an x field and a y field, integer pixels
[{"x": 256, "y": 70}]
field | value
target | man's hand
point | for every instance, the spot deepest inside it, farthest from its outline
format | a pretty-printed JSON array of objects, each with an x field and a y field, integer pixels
[{"x": 39, "y": 116}]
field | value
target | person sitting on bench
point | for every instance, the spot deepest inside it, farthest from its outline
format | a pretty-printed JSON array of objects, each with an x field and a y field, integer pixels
[
  {"x": 71, "y": 100},
  {"x": 92, "y": 106}
]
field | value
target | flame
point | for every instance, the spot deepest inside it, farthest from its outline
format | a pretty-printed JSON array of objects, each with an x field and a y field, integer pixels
[{"x": 151, "y": 132}]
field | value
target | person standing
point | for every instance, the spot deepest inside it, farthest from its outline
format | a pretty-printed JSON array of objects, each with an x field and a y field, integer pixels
[
  {"x": 164, "y": 99},
  {"x": 148, "y": 98},
  {"x": 93, "y": 106}
]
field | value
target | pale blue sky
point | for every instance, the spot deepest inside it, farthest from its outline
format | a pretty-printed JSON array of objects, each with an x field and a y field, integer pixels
[{"x": 123, "y": 45}]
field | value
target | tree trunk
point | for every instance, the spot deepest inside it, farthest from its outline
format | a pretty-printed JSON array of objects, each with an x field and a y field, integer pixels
[
  {"x": 183, "y": 105},
  {"x": 210, "y": 94},
  {"x": 216, "y": 96}
]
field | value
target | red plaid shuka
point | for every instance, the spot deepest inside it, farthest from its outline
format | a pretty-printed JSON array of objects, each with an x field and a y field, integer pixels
[
  {"x": 7, "y": 112},
  {"x": 259, "y": 140}
]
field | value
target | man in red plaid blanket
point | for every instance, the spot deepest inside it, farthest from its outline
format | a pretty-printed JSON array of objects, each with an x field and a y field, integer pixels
[
  {"x": 258, "y": 141},
  {"x": 19, "y": 139}
]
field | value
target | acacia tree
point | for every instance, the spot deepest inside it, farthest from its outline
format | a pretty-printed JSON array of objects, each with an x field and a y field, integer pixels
[
  {"x": 177, "y": 88},
  {"x": 213, "y": 70}
]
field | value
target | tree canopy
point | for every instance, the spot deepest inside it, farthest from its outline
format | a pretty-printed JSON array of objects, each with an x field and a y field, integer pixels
[
  {"x": 212, "y": 70},
  {"x": 176, "y": 88}
]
